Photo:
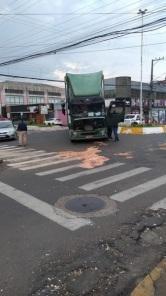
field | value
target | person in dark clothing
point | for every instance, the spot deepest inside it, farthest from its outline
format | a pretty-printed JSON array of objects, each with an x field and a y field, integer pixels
[
  {"x": 22, "y": 133},
  {"x": 109, "y": 125},
  {"x": 114, "y": 123}
]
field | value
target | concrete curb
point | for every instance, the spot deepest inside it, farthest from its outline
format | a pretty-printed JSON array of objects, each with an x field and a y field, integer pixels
[
  {"x": 43, "y": 128},
  {"x": 148, "y": 286},
  {"x": 142, "y": 130},
  {"x": 122, "y": 130}
]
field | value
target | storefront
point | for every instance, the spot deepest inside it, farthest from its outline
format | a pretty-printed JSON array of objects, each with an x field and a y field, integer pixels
[{"x": 31, "y": 113}]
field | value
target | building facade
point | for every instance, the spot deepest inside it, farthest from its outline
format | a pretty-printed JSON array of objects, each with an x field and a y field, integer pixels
[
  {"x": 154, "y": 96},
  {"x": 32, "y": 100}
]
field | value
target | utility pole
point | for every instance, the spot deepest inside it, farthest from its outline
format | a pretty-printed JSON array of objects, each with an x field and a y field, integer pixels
[
  {"x": 141, "y": 12},
  {"x": 156, "y": 60},
  {"x": 152, "y": 67}
]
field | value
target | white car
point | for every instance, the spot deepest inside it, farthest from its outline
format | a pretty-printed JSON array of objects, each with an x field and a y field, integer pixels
[
  {"x": 53, "y": 121},
  {"x": 133, "y": 119},
  {"x": 7, "y": 130}
]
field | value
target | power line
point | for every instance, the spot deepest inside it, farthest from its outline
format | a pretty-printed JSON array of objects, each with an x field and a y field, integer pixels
[
  {"x": 72, "y": 30},
  {"x": 106, "y": 49},
  {"x": 77, "y": 26},
  {"x": 61, "y": 13},
  {"x": 85, "y": 42},
  {"x": 53, "y": 80},
  {"x": 33, "y": 78}
]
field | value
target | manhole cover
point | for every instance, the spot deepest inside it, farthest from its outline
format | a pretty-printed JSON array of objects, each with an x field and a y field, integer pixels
[
  {"x": 85, "y": 204},
  {"x": 90, "y": 205}
]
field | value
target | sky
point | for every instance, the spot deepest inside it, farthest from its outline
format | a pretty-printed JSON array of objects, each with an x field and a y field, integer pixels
[{"x": 33, "y": 26}]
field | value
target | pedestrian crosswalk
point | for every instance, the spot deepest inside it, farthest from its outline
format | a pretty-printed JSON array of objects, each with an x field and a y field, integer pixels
[{"x": 69, "y": 170}]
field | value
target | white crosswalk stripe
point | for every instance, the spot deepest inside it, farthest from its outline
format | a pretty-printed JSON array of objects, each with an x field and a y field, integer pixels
[
  {"x": 139, "y": 189},
  {"x": 6, "y": 147},
  {"x": 105, "y": 181},
  {"x": 10, "y": 150},
  {"x": 161, "y": 204},
  {"x": 46, "y": 210},
  {"x": 15, "y": 153},
  {"x": 90, "y": 171},
  {"x": 47, "y": 164},
  {"x": 58, "y": 170},
  {"x": 28, "y": 155},
  {"x": 37, "y": 159},
  {"x": 30, "y": 159},
  {"x": 26, "y": 159}
]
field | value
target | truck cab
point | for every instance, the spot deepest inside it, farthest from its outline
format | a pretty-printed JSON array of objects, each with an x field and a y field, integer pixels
[{"x": 85, "y": 106}]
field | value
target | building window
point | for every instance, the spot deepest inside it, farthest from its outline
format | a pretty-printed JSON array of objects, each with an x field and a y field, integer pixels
[
  {"x": 54, "y": 94},
  {"x": 35, "y": 92},
  {"x": 13, "y": 91},
  {"x": 36, "y": 100},
  {"x": 53, "y": 100},
  {"x": 14, "y": 100}
]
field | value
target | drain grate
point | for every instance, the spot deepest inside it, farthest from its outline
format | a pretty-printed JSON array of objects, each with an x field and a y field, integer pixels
[{"x": 85, "y": 204}]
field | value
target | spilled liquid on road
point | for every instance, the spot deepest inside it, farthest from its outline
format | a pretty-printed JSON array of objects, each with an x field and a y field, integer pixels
[{"x": 90, "y": 158}]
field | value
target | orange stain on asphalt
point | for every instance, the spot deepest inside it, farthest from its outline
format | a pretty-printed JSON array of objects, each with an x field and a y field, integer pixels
[
  {"x": 90, "y": 158},
  {"x": 127, "y": 155},
  {"x": 162, "y": 146}
]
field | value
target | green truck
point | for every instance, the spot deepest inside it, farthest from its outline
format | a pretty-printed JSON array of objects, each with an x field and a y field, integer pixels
[{"x": 85, "y": 106}]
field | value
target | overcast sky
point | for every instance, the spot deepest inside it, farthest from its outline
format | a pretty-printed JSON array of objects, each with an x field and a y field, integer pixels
[{"x": 60, "y": 22}]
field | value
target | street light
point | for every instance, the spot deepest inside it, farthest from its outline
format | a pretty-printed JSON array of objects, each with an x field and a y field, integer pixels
[{"x": 141, "y": 12}]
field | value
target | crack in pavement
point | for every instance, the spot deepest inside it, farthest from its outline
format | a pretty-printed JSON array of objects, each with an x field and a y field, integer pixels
[{"x": 108, "y": 266}]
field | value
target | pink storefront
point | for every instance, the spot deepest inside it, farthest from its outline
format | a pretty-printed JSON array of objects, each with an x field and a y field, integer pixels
[{"x": 58, "y": 112}]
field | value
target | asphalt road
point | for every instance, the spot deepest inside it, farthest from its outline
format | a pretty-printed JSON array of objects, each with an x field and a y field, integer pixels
[{"x": 32, "y": 235}]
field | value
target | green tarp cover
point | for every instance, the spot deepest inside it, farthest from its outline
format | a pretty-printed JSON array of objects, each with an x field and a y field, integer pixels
[{"x": 85, "y": 84}]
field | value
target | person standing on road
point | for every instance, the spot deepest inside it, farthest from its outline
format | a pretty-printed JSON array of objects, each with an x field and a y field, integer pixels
[
  {"x": 109, "y": 124},
  {"x": 114, "y": 123},
  {"x": 22, "y": 133}
]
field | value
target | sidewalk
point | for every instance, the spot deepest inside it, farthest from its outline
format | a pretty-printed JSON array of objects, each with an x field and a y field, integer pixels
[
  {"x": 154, "y": 284},
  {"x": 46, "y": 128},
  {"x": 142, "y": 130},
  {"x": 122, "y": 129}
]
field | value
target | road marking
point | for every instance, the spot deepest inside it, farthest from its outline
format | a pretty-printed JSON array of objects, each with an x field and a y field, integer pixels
[
  {"x": 47, "y": 164},
  {"x": 37, "y": 159},
  {"x": 112, "y": 179},
  {"x": 54, "y": 171},
  {"x": 52, "y": 213},
  {"x": 161, "y": 204},
  {"x": 16, "y": 152},
  {"x": 90, "y": 171},
  {"x": 6, "y": 147},
  {"x": 11, "y": 149},
  {"x": 28, "y": 155},
  {"x": 139, "y": 189},
  {"x": 21, "y": 149}
]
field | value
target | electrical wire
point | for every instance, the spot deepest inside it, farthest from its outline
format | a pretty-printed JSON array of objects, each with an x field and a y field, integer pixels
[{"x": 111, "y": 35}]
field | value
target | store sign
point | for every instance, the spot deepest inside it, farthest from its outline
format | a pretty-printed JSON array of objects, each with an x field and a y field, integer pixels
[
  {"x": 44, "y": 109},
  {"x": 33, "y": 109}
]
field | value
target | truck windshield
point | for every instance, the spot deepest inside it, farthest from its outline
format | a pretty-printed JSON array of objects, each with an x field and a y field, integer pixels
[{"x": 89, "y": 110}]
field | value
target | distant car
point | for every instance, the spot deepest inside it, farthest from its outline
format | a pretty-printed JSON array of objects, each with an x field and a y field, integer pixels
[
  {"x": 53, "y": 121},
  {"x": 7, "y": 130},
  {"x": 133, "y": 119}
]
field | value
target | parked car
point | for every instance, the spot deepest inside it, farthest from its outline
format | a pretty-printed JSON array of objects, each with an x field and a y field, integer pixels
[
  {"x": 53, "y": 121},
  {"x": 7, "y": 130},
  {"x": 133, "y": 119}
]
